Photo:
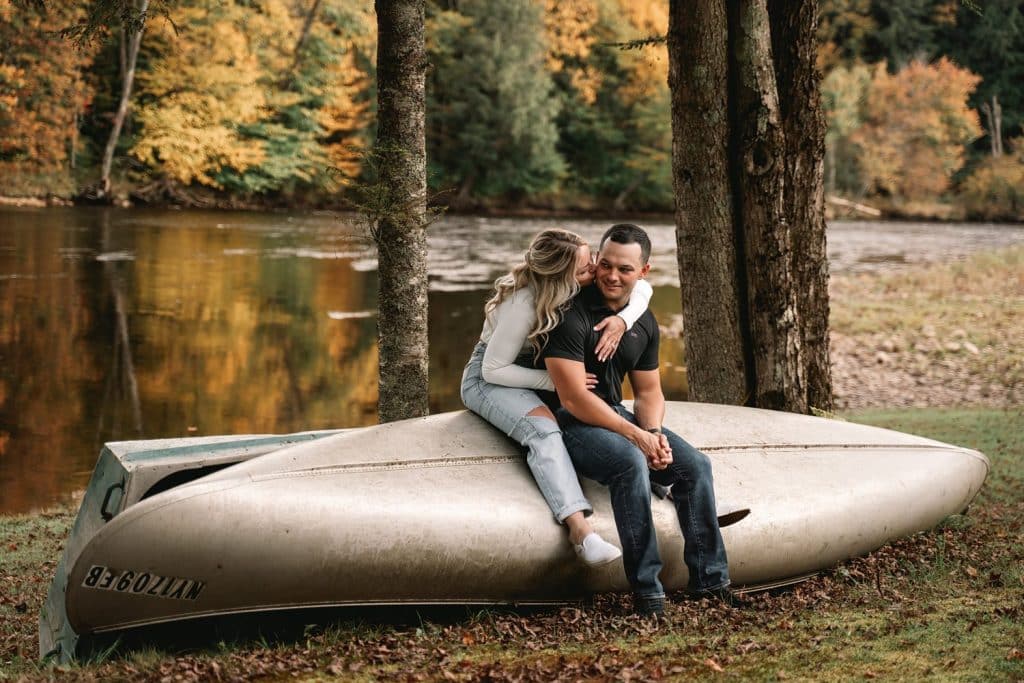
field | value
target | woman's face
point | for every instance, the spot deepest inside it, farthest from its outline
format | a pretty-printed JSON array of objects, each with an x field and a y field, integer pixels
[{"x": 584, "y": 266}]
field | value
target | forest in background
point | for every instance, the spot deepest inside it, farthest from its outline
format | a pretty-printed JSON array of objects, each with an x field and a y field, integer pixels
[{"x": 530, "y": 104}]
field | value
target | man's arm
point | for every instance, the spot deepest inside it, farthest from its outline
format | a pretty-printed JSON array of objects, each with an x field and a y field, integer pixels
[
  {"x": 648, "y": 399},
  {"x": 649, "y": 409},
  {"x": 569, "y": 378}
]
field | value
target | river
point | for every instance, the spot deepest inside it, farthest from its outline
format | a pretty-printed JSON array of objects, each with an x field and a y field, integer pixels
[{"x": 125, "y": 324}]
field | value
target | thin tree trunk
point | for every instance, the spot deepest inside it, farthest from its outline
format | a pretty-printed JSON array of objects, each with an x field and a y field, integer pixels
[
  {"x": 401, "y": 232},
  {"x": 711, "y": 300},
  {"x": 304, "y": 36},
  {"x": 794, "y": 24},
  {"x": 763, "y": 237},
  {"x": 128, "y": 79}
]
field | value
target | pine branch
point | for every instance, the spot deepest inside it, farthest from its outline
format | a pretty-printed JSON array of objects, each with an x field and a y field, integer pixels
[{"x": 639, "y": 43}]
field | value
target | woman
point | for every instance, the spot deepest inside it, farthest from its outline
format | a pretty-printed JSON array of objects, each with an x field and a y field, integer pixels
[{"x": 527, "y": 305}]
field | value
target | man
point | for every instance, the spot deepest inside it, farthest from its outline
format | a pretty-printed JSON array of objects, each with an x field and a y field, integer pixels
[{"x": 627, "y": 451}]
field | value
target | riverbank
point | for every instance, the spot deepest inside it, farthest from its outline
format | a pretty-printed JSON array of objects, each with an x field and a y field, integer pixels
[
  {"x": 942, "y": 335},
  {"x": 948, "y": 603}
]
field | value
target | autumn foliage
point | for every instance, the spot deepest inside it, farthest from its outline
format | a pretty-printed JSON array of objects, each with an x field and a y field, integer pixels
[
  {"x": 42, "y": 89},
  {"x": 528, "y": 101},
  {"x": 916, "y": 125}
]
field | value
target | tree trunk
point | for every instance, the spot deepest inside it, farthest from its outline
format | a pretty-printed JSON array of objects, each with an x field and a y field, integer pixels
[
  {"x": 747, "y": 157},
  {"x": 128, "y": 79},
  {"x": 401, "y": 232},
  {"x": 303, "y": 37},
  {"x": 763, "y": 240},
  {"x": 794, "y": 25},
  {"x": 705, "y": 246}
]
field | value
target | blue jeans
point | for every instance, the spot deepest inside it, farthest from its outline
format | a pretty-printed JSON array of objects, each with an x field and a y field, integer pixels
[
  {"x": 508, "y": 408},
  {"x": 616, "y": 462}
]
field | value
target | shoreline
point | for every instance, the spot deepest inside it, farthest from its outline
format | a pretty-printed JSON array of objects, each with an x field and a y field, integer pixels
[{"x": 122, "y": 200}]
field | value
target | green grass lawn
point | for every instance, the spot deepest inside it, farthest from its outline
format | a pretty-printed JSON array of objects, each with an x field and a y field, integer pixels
[{"x": 947, "y": 604}]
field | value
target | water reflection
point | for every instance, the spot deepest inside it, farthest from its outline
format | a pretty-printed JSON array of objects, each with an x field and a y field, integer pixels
[{"x": 121, "y": 324}]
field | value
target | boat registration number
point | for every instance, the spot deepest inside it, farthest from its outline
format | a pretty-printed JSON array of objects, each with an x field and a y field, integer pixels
[{"x": 100, "y": 577}]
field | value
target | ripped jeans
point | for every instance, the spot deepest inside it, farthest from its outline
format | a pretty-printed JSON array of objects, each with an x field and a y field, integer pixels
[{"x": 507, "y": 409}]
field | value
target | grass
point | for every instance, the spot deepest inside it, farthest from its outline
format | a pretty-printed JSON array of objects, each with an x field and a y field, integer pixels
[{"x": 947, "y": 604}]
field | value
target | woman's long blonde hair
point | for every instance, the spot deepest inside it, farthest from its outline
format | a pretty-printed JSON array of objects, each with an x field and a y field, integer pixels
[{"x": 549, "y": 269}]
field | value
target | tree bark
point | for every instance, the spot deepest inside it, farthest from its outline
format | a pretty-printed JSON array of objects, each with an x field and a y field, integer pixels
[
  {"x": 747, "y": 155},
  {"x": 128, "y": 80},
  {"x": 763, "y": 239},
  {"x": 401, "y": 231},
  {"x": 794, "y": 25},
  {"x": 705, "y": 241}
]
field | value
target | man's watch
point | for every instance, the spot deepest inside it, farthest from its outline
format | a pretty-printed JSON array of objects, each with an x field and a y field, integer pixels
[{"x": 654, "y": 430}]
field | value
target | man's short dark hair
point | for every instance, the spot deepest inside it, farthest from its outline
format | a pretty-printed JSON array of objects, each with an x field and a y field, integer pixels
[{"x": 627, "y": 233}]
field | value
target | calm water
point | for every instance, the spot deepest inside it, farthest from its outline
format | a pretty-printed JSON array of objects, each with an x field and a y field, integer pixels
[{"x": 123, "y": 324}]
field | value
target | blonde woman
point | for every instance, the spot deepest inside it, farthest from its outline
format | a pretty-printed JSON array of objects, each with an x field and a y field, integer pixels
[{"x": 527, "y": 304}]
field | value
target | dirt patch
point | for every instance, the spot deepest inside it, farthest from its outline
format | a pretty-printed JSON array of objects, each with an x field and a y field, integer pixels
[{"x": 932, "y": 336}]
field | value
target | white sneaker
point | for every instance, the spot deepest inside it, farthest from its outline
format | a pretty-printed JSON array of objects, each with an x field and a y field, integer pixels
[
  {"x": 595, "y": 551},
  {"x": 730, "y": 513}
]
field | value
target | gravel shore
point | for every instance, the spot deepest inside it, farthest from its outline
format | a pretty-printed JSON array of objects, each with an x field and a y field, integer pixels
[{"x": 942, "y": 335}]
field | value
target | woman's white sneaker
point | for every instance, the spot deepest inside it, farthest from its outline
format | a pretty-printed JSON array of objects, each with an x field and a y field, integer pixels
[{"x": 595, "y": 551}]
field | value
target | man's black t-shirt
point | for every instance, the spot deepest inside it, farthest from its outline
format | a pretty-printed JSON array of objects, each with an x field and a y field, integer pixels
[{"x": 575, "y": 339}]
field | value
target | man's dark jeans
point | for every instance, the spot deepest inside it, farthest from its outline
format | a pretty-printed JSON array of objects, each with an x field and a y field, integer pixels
[{"x": 616, "y": 462}]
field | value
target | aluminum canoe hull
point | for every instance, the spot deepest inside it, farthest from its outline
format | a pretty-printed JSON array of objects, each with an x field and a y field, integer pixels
[{"x": 443, "y": 509}]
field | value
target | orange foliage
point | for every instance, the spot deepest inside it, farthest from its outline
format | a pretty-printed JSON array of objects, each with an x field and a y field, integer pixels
[
  {"x": 41, "y": 89},
  {"x": 570, "y": 32},
  {"x": 916, "y": 123}
]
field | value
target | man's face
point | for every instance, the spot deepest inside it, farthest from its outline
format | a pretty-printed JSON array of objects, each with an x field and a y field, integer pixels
[{"x": 619, "y": 266}]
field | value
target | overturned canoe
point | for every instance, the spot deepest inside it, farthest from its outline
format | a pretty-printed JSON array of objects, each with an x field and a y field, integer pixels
[{"x": 443, "y": 509}]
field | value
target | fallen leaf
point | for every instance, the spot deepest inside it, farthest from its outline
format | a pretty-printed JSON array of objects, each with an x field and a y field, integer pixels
[
  {"x": 1015, "y": 655},
  {"x": 713, "y": 665}
]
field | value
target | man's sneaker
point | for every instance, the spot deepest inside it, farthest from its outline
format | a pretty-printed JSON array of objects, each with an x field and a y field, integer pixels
[
  {"x": 730, "y": 513},
  {"x": 725, "y": 596},
  {"x": 649, "y": 606},
  {"x": 595, "y": 551}
]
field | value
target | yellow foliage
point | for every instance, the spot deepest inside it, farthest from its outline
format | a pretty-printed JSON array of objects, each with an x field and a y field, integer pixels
[
  {"x": 916, "y": 123},
  {"x": 198, "y": 92},
  {"x": 346, "y": 113},
  {"x": 649, "y": 65},
  {"x": 229, "y": 67},
  {"x": 570, "y": 33},
  {"x": 995, "y": 190}
]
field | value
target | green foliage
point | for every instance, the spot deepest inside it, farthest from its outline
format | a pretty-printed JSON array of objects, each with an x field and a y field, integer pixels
[
  {"x": 490, "y": 111},
  {"x": 991, "y": 44},
  {"x": 843, "y": 94},
  {"x": 844, "y": 28},
  {"x": 616, "y": 134},
  {"x": 907, "y": 30}
]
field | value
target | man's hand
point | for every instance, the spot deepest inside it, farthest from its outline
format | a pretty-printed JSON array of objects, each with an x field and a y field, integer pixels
[
  {"x": 611, "y": 328},
  {"x": 665, "y": 458},
  {"x": 654, "y": 447}
]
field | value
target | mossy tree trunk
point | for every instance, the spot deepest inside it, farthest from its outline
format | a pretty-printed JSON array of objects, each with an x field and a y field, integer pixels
[
  {"x": 745, "y": 151},
  {"x": 401, "y": 230}
]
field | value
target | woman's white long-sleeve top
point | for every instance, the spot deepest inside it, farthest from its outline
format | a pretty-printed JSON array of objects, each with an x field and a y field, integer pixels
[{"x": 506, "y": 328}]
